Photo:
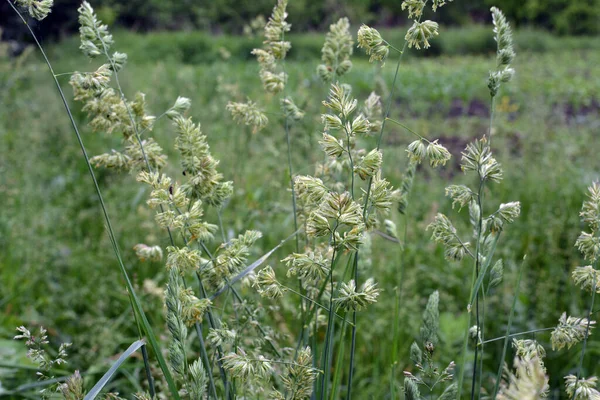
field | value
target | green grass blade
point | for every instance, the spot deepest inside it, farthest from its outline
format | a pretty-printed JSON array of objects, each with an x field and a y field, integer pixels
[
  {"x": 32, "y": 368},
  {"x": 587, "y": 329},
  {"x": 135, "y": 346},
  {"x": 337, "y": 375},
  {"x": 395, "y": 345},
  {"x": 487, "y": 264},
  {"x": 157, "y": 350},
  {"x": 252, "y": 266},
  {"x": 34, "y": 385},
  {"x": 461, "y": 376}
]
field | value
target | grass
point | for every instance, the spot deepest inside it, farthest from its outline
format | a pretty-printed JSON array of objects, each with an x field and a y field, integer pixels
[{"x": 55, "y": 259}]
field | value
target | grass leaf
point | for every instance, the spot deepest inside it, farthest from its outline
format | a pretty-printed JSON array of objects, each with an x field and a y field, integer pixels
[{"x": 135, "y": 346}]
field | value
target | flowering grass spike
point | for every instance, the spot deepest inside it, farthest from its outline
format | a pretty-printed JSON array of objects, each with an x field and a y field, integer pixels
[{"x": 38, "y": 9}]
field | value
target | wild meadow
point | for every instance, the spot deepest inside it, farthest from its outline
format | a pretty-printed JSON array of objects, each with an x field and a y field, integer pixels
[{"x": 410, "y": 213}]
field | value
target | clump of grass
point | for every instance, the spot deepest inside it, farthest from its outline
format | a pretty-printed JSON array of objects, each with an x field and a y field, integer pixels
[
  {"x": 46, "y": 362},
  {"x": 336, "y": 210}
]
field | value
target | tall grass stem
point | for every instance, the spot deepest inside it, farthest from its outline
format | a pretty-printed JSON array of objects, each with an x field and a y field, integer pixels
[{"x": 508, "y": 327}]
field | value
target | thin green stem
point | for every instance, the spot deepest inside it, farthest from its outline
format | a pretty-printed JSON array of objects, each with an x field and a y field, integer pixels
[
  {"x": 315, "y": 303},
  {"x": 465, "y": 343},
  {"x": 353, "y": 344},
  {"x": 294, "y": 206},
  {"x": 464, "y": 246},
  {"x": 289, "y": 156},
  {"x": 328, "y": 334},
  {"x": 33, "y": 368},
  {"x": 519, "y": 334},
  {"x": 509, "y": 325},
  {"x": 148, "y": 372},
  {"x": 161, "y": 116},
  {"x": 291, "y": 172},
  {"x": 477, "y": 266},
  {"x": 212, "y": 323},
  {"x": 390, "y": 98},
  {"x": 482, "y": 331},
  {"x": 71, "y": 73},
  {"x": 315, "y": 348},
  {"x": 388, "y": 109},
  {"x": 479, "y": 328},
  {"x": 332, "y": 332},
  {"x": 338, "y": 363},
  {"x": 477, "y": 261},
  {"x": 492, "y": 113},
  {"x": 395, "y": 344},
  {"x": 398, "y": 303},
  {"x": 393, "y": 48},
  {"x": 587, "y": 332},
  {"x": 408, "y": 129},
  {"x": 349, "y": 150},
  {"x": 221, "y": 225}
]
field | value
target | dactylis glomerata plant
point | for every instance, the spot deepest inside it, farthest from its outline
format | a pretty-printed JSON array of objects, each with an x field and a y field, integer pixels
[
  {"x": 529, "y": 380},
  {"x": 344, "y": 200},
  {"x": 422, "y": 355},
  {"x": 339, "y": 205},
  {"x": 572, "y": 330},
  {"x": 335, "y": 225},
  {"x": 271, "y": 59},
  {"x": 478, "y": 160},
  {"x": 47, "y": 360},
  {"x": 240, "y": 342}
]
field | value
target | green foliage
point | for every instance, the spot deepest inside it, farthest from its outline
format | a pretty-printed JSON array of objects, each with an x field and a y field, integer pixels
[
  {"x": 197, "y": 48},
  {"x": 564, "y": 16},
  {"x": 567, "y": 17}
]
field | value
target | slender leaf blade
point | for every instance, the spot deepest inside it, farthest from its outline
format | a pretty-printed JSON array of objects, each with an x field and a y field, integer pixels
[{"x": 135, "y": 346}]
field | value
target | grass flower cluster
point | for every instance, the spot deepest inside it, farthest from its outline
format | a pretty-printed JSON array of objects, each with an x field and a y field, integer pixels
[{"x": 336, "y": 52}]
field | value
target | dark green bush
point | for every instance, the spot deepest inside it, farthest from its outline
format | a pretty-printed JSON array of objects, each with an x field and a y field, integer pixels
[{"x": 567, "y": 17}]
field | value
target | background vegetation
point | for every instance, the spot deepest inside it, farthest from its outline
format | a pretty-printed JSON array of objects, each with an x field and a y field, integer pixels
[
  {"x": 575, "y": 17},
  {"x": 56, "y": 266}
]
